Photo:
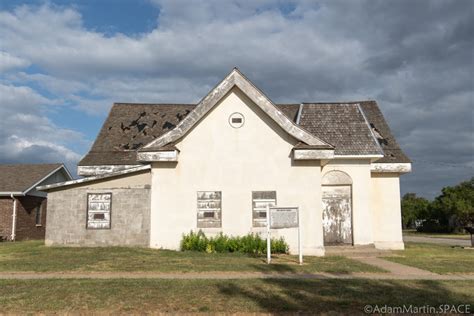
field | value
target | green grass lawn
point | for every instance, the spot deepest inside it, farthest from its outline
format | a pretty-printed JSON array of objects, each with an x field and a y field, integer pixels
[
  {"x": 34, "y": 256},
  {"x": 412, "y": 232},
  {"x": 269, "y": 295},
  {"x": 436, "y": 258}
]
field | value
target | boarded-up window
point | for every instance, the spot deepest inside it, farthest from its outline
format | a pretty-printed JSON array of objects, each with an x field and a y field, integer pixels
[
  {"x": 98, "y": 210},
  {"x": 260, "y": 201},
  {"x": 209, "y": 209}
]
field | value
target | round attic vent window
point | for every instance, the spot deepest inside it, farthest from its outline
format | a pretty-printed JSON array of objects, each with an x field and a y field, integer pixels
[{"x": 236, "y": 120}]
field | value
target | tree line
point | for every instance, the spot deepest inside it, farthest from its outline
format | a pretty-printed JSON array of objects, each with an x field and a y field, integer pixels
[{"x": 449, "y": 212}]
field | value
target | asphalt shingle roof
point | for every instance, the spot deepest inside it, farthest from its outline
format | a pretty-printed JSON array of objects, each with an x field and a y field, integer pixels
[
  {"x": 341, "y": 125},
  {"x": 392, "y": 150},
  {"x": 20, "y": 177},
  {"x": 130, "y": 126}
]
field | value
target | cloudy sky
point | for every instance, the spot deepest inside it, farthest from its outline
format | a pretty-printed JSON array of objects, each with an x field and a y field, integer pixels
[{"x": 63, "y": 63}]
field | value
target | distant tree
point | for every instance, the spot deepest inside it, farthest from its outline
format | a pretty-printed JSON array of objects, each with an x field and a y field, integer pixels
[
  {"x": 455, "y": 205},
  {"x": 414, "y": 208}
]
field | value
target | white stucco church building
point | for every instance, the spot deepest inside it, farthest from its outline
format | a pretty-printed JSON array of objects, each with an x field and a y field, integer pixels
[{"x": 157, "y": 171}]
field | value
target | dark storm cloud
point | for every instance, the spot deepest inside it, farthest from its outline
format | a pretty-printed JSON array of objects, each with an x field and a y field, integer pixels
[{"x": 414, "y": 57}]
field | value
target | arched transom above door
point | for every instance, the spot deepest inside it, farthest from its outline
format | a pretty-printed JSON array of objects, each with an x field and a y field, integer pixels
[{"x": 336, "y": 177}]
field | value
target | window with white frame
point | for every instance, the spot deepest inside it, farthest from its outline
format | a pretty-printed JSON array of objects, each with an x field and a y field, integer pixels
[
  {"x": 99, "y": 206},
  {"x": 260, "y": 201},
  {"x": 209, "y": 209}
]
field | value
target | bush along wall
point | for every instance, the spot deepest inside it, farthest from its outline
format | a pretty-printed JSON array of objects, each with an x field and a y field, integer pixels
[{"x": 250, "y": 244}]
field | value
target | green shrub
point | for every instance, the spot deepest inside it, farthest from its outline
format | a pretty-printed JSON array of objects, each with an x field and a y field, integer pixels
[
  {"x": 194, "y": 241},
  {"x": 278, "y": 246},
  {"x": 250, "y": 244}
]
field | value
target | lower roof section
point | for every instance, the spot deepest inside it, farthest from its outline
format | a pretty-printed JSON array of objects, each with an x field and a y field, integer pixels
[{"x": 93, "y": 178}]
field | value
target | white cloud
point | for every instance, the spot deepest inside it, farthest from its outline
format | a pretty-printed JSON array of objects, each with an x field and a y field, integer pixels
[
  {"x": 421, "y": 73},
  {"x": 9, "y": 62},
  {"x": 26, "y": 134},
  {"x": 41, "y": 150}
]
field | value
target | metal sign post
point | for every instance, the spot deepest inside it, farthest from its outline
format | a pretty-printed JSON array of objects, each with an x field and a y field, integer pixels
[
  {"x": 269, "y": 250},
  {"x": 283, "y": 217},
  {"x": 300, "y": 248}
]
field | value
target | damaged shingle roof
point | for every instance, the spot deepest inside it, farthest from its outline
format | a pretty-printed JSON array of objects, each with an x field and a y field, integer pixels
[
  {"x": 21, "y": 177},
  {"x": 392, "y": 151},
  {"x": 130, "y": 126},
  {"x": 341, "y": 125}
]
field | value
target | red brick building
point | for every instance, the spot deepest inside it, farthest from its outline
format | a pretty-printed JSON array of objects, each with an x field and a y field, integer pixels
[{"x": 22, "y": 207}]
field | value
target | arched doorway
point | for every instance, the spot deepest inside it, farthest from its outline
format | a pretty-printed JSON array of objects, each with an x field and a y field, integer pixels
[{"x": 337, "y": 208}]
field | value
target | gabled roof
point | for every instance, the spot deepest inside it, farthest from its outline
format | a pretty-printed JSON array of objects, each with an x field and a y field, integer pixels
[
  {"x": 235, "y": 79},
  {"x": 354, "y": 128},
  {"x": 19, "y": 179}
]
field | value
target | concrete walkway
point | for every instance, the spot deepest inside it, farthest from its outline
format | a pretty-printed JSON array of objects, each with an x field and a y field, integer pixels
[
  {"x": 395, "y": 268},
  {"x": 397, "y": 273},
  {"x": 439, "y": 241}
]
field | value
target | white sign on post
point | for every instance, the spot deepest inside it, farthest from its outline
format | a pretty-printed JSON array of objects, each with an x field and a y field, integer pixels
[{"x": 283, "y": 217}]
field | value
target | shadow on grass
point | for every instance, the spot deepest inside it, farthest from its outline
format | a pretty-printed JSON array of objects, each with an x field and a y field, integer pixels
[
  {"x": 278, "y": 265},
  {"x": 280, "y": 295}
]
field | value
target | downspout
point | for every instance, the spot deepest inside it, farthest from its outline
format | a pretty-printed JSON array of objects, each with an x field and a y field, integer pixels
[{"x": 13, "y": 219}]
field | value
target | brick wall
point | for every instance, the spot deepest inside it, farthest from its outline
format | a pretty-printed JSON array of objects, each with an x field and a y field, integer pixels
[
  {"x": 26, "y": 218},
  {"x": 6, "y": 209},
  {"x": 130, "y": 218}
]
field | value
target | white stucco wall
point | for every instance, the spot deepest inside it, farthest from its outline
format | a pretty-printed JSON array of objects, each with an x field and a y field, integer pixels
[
  {"x": 387, "y": 221},
  {"x": 217, "y": 157},
  {"x": 359, "y": 171}
]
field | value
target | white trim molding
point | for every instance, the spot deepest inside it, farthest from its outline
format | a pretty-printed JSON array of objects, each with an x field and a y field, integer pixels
[
  {"x": 371, "y": 157},
  {"x": 370, "y": 129},
  {"x": 86, "y": 171},
  {"x": 391, "y": 167},
  {"x": 156, "y": 156},
  {"x": 10, "y": 193},
  {"x": 92, "y": 178},
  {"x": 298, "y": 117},
  {"x": 313, "y": 154}
]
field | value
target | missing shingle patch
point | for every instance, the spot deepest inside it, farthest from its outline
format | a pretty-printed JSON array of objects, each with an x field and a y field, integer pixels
[
  {"x": 378, "y": 135},
  {"x": 168, "y": 125}
]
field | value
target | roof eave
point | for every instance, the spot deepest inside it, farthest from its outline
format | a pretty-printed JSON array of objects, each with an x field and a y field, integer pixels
[
  {"x": 12, "y": 193},
  {"x": 372, "y": 157},
  {"x": 47, "y": 176},
  {"x": 92, "y": 178}
]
